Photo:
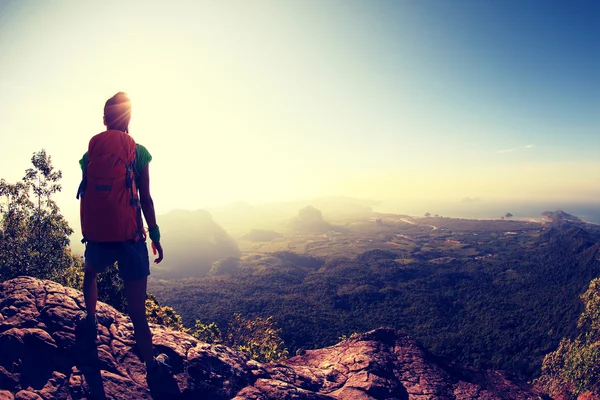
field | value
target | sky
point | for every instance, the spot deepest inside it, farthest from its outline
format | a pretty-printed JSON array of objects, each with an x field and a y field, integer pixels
[{"x": 261, "y": 101}]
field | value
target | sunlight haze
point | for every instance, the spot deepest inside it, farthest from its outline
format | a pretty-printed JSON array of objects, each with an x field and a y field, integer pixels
[{"x": 417, "y": 101}]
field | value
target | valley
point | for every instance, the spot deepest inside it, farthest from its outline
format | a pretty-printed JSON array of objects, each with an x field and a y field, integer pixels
[{"x": 492, "y": 294}]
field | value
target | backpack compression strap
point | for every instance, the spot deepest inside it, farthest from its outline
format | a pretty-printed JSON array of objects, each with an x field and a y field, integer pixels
[{"x": 135, "y": 202}]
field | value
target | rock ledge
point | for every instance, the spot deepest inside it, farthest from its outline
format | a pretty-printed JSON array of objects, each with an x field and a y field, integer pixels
[{"x": 43, "y": 357}]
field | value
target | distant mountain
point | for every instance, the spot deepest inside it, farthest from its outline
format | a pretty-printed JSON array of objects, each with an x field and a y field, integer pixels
[
  {"x": 571, "y": 239},
  {"x": 311, "y": 220},
  {"x": 559, "y": 216},
  {"x": 333, "y": 207},
  {"x": 192, "y": 242},
  {"x": 239, "y": 218}
]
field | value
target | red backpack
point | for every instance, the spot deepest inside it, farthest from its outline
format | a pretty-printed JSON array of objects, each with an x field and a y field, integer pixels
[{"x": 110, "y": 207}]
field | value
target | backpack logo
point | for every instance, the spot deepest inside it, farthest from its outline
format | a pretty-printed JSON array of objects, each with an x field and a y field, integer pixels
[{"x": 110, "y": 208}]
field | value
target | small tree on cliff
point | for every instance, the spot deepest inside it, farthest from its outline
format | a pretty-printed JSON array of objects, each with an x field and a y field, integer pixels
[
  {"x": 574, "y": 368},
  {"x": 260, "y": 338},
  {"x": 163, "y": 315}
]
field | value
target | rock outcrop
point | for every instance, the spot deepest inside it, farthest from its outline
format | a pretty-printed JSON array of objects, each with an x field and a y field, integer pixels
[
  {"x": 42, "y": 356},
  {"x": 194, "y": 241},
  {"x": 310, "y": 220}
]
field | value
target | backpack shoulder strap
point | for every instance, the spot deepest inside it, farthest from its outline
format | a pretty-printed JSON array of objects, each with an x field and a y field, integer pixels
[{"x": 81, "y": 188}]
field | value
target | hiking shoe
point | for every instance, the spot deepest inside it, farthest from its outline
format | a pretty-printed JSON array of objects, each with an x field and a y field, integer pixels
[
  {"x": 160, "y": 368},
  {"x": 88, "y": 325}
]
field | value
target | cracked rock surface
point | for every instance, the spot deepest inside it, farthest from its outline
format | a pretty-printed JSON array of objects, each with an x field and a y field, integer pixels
[{"x": 42, "y": 356}]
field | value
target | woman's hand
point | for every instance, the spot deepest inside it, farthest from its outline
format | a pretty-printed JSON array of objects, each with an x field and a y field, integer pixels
[{"x": 156, "y": 246}]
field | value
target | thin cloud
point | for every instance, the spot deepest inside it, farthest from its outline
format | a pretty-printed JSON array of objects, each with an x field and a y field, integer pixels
[
  {"x": 514, "y": 149},
  {"x": 507, "y": 150}
]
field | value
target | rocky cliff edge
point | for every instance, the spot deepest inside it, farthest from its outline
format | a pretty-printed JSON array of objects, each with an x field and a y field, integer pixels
[{"x": 43, "y": 357}]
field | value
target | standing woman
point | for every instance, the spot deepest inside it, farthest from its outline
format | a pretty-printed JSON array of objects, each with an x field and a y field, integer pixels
[{"x": 114, "y": 192}]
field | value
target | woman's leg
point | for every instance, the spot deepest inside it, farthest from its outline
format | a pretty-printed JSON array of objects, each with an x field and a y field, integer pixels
[
  {"x": 90, "y": 290},
  {"x": 135, "y": 291}
]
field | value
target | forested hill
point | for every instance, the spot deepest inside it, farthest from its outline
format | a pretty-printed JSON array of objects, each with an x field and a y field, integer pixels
[{"x": 504, "y": 304}]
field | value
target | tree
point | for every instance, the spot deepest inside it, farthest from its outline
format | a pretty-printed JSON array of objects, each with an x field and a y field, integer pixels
[
  {"x": 208, "y": 333},
  {"x": 574, "y": 367},
  {"x": 163, "y": 315},
  {"x": 259, "y": 338},
  {"x": 427, "y": 214},
  {"x": 508, "y": 215},
  {"x": 35, "y": 236},
  {"x": 111, "y": 290}
]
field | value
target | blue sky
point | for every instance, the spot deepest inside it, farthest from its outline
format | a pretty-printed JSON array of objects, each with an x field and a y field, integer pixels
[{"x": 414, "y": 101}]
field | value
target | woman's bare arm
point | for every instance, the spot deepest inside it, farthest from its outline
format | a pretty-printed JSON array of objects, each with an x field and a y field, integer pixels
[{"x": 148, "y": 207}]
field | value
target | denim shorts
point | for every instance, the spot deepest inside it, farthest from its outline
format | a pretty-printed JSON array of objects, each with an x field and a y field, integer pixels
[{"x": 132, "y": 257}]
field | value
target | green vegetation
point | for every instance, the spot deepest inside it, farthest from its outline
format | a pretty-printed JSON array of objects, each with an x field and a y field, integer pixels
[
  {"x": 209, "y": 333},
  {"x": 34, "y": 236},
  {"x": 163, "y": 315},
  {"x": 574, "y": 368},
  {"x": 500, "y": 301},
  {"x": 259, "y": 338}
]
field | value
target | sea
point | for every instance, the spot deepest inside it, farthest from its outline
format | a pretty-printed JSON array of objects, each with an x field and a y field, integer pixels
[{"x": 589, "y": 211}]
